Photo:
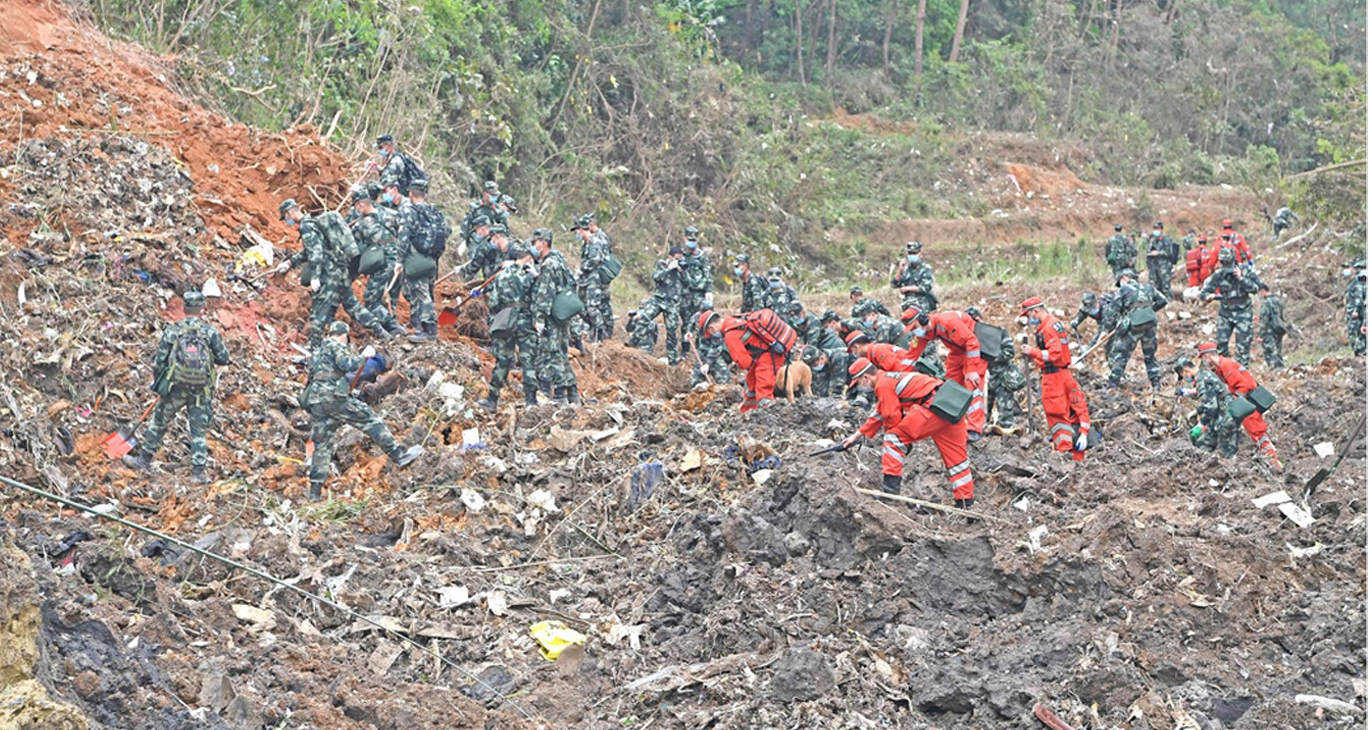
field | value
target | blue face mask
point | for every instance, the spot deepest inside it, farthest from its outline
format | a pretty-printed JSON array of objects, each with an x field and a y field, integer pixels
[
  {"x": 1033, "y": 320},
  {"x": 384, "y": 153},
  {"x": 913, "y": 258},
  {"x": 775, "y": 284},
  {"x": 739, "y": 271},
  {"x": 1158, "y": 234},
  {"x": 919, "y": 332},
  {"x": 1348, "y": 273},
  {"x": 291, "y": 222},
  {"x": 387, "y": 197},
  {"x": 691, "y": 245},
  {"x": 818, "y": 368}
]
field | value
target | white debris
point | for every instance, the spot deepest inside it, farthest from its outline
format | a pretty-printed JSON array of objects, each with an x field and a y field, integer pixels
[{"x": 473, "y": 500}]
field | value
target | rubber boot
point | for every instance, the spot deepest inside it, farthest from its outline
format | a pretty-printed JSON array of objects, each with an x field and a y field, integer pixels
[
  {"x": 199, "y": 475},
  {"x": 572, "y": 395},
  {"x": 964, "y": 503},
  {"x": 530, "y": 396},
  {"x": 382, "y": 334},
  {"x": 137, "y": 461},
  {"x": 315, "y": 491},
  {"x": 490, "y": 404},
  {"x": 974, "y": 436},
  {"x": 892, "y": 484},
  {"x": 395, "y": 328},
  {"x": 558, "y": 397},
  {"x": 403, "y": 457},
  {"x": 428, "y": 333}
]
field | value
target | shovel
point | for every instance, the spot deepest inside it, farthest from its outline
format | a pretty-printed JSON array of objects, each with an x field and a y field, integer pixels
[
  {"x": 1324, "y": 474},
  {"x": 449, "y": 315},
  {"x": 119, "y": 444}
]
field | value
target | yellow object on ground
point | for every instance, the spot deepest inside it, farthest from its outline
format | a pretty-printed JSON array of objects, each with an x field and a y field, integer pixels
[{"x": 555, "y": 637}]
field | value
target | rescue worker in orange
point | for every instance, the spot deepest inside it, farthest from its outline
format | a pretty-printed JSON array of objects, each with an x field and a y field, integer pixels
[
  {"x": 1197, "y": 267},
  {"x": 886, "y": 357},
  {"x": 1066, "y": 410},
  {"x": 1233, "y": 241},
  {"x": 750, "y": 351},
  {"x": 964, "y": 364},
  {"x": 904, "y": 415},
  {"x": 1240, "y": 382}
]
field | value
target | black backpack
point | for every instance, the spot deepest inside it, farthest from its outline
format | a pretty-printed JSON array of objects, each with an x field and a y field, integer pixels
[
  {"x": 411, "y": 172},
  {"x": 430, "y": 231}
]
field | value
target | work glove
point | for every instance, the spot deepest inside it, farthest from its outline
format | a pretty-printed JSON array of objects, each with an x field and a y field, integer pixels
[
  {"x": 476, "y": 292},
  {"x": 703, "y": 369},
  {"x": 1186, "y": 392},
  {"x": 1081, "y": 444},
  {"x": 540, "y": 328},
  {"x": 777, "y": 348},
  {"x": 315, "y": 285},
  {"x": 1196, "y": 432},
  {"x": 369, "y": 352},
  {"x": 283, "y": 267}
]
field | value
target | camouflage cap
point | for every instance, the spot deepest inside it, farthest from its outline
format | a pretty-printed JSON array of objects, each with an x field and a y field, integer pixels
[
  {"x": 384, "y": 139},
  {"x": 497, "y": 229},
  {"x": 581, "y": 223},
  {"x": 1159, "y": 224},
  {"x": 830, "y": 316},
  {"x": 1182, "y": 364},
  {"x": 479, "y": 220},
  {"x": 1226, "y": 255},
  {"x": 691, "y": 233},
  {"x": 743, "y": 258},
  {"x": 706, "y": 306},
  {"x": 810, "y": 355},
  {"x": 774, "y": 273},
  {"x": 543, "y": 234},
  {"x": 974, "y": 312},
  {"x": 676, "y": 250},
  {"x": 856, "y": 290},
  {"x": 795, "y": 307},
  {"x": 491, "y": 187},
  {"x": 193, "y": 299},
  {"x": 374, "y": 188},
  {"x": 1089, "y": 299},
  {"x": 1125, "y": 274},
  {"x": 358, "y": 195},
  {"x": 419, "y": 185},
  {"x": 339, "y": 327},
  {"x": 509, "y": 203},
  {"x": 1117, "y": 227},
  {"x": 1359, "y": 263},
  {"x": 518, "y": 250},
  {"x": 914, "y": 246},
  {"x": 286, "y": 206}
]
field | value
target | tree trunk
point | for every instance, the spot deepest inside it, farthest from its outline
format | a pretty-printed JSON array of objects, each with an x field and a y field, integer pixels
[
  {"x": 798, "y": 32},
  {"x": 889, "y": 18},
  {"x": 831, "y": 42},
  {"x": 1116, "y": 35},
  {"x": 917, "y": 44},
  {"x": 959, "y": 31}
]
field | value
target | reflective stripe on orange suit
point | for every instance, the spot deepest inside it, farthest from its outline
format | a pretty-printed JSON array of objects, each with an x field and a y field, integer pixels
[
  {"x": 1239, "y": 381},
  {"x": 906, "y": 422},
  {"x": 890, "y": 358},
  {"x": 760, "y": 366},
  {"x": 1066, "y": 410}
]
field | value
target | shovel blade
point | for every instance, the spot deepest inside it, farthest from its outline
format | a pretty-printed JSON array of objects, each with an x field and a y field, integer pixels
[
  {"x": 1316, "y": 479},
  {"x": 447, "y": 317},
  {"x": 119, "y": 444}
]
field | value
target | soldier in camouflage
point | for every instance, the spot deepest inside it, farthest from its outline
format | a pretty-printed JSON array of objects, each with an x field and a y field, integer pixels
[
  {"x": 329, "y": 399},
  {"x": 828, "y": 334},
  {"x": 1233, "y": 285},
  {"x": 593, "y": 278},
  {"x": 605, "y": 313},
  {"x": 328, "y": 251},
  {"x": 1160, "y": 255},
  {"x": 512, "y": 289},
  {"x": 1120, "y": 252},
  {"x": 669, "y": 292},
  {"x": 714, "y": 361},
  {"x": 803, "y": 323},
  {"x": 1004, "y": 380},
  {"x": 553, "y": 279},
  {"x": 781, "y": 297},
  {"x": 371, "y": 233},
  {"x": 859, "y": 304},
  {"x": 915, "y": 280},
  {"x": 184, "y": 377},
  {"x": 698, "y": 279},
  {"x": 754, "y": 289},
  {"x": 1216, "y": 429},
  {"x": 641, "y": 331},
  {"x": 881, "y": 328},
  {"x": 1272, "y": 329},
  {"x": 424, "y": 234},
  {"x": 1132, "y": 299},
  {"x": 1355, "y": 295},
  {"x": 1093, "y": 309},
  {"x": 829, "y": 370},
  {"x": 489, "y": 206},
  {"x": 1282, "y": 220},
  {"x": 399, "y": 169}
]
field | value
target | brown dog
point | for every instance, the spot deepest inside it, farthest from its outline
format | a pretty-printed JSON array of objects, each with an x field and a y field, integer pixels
[{"x": 796, "y": 373}]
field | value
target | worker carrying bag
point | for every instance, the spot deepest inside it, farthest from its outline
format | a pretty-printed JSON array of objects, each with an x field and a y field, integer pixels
[{"x": 951, "y": 401}]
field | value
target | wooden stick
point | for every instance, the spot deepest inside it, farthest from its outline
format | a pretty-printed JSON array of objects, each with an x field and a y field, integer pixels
[
  {"x": 929, "y": 505},
  {"x": 1047, "y": 716}
]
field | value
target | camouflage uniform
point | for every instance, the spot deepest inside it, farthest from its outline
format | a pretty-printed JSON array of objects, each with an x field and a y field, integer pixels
[
  {"x": 754, "y": 292},
  {"x": 641, "y": 331},
  {"x": 919, "y": 275},
  {"x": 328, "y": 250},
  {"x": 824, "y": 338},
  {"x": 1237, "y": 313},
  {"x": 1282, "y": 220},
  {"x": 712, "y": 350},
  {"x": 423, "y": 226},
  {"x": 664, "y": 303},
  {"x": 1219, "y": 432},
  {"x": 605, "y": 310},
  {"x": 553, "y": 361},
  {"x": 1272, "y": 328},
  {"x": 780, "y": 297},
  {"x": 866, "y": 305},
  {"x": 1354, "y": 298},
  {"x": 513, "y": 288},
  {"x": 370, "y": 231},
  {"x": 829, "y": 381},
  {"x": 1004, "y": 380},
  {"x": 1094, "y": 310},
  {"x": 1130, "y": 297},
  {"x": 196, "y": 399},
  {"x": 494, "y": 211},
  {"x": 396, "y": 172},
  {"x": 804, "y": 324},
  {"x": 698, "y": 281},
  {"x": 883, "y": 329},
  {"x": 1164, "y": 255},
  {"x": 1120, "y": 253},
  {"x": 593, "y": 284},
  {"x": 332, "y": 406}
]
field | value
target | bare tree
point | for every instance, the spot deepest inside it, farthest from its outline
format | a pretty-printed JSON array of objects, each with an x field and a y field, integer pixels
[
  {"x": 959, "y": 31},
  {"x": 831, "y": 42},
  {"x": 890, "y": 17},
  {"x": 798, "y": 42},
  {"x": 917, "y": 46}
]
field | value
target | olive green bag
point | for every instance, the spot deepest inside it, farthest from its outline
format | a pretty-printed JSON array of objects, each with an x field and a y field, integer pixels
[
  {"x": 566, "y": 305},
  {"x": 1262, "y": 399},
  {"x": 372, "y": 260},
  {"x": 418, "y": 266},
  {"x": 1241, "y": 408},
  {"x": 611, "y": 268},
  {"x": 1142, "y": 318},
  {"x": 504, "y": 323},
  {"x": 951, "y": 401}
]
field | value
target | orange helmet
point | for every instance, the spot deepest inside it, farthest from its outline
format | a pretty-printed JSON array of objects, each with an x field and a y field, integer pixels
[{"x": 861, "y": 366}]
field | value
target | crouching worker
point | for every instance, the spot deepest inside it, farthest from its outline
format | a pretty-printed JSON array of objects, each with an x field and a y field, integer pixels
[
  {"x": 907, "y": 411},
  {"x": 328, "y": 396},
  {"x": 758, "y": 343}
]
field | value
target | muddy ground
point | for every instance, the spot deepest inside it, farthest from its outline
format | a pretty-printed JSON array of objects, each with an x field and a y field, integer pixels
[{"x": 1143, "y": 589}]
